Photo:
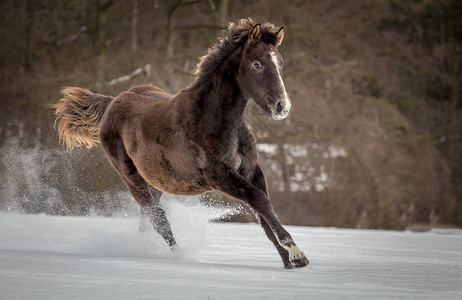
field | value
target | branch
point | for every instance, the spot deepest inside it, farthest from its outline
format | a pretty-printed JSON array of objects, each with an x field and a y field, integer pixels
[
  {"x": 146, "y": 69},
  {"x": 72, "y": 37}
]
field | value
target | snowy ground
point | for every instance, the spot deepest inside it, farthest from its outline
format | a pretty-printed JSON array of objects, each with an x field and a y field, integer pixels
[{"x": 45, "y": 257}]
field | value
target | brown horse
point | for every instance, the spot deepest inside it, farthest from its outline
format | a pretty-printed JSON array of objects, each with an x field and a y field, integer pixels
[{"x": 195, "y": 141}]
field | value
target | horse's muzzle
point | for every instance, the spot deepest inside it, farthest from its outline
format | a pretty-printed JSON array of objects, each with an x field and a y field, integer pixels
[{"x": 280, "y": 110}]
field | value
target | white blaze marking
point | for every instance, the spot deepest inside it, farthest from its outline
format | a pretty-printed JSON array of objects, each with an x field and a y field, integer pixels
[
  {"x": 285, "y": 100},
  {"x": 294, "y": 252}
]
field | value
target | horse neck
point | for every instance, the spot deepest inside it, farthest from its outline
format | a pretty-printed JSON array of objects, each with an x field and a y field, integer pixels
[
  {"x": 222, "y": 101},
  {"x": 227, "y": 96}
]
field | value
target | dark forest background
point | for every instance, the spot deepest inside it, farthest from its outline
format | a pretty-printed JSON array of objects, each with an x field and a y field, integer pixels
[{"x": 374, "y": 139}]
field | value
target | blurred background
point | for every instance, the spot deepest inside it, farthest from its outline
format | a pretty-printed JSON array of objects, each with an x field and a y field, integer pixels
[{"x": 374, "y": 139}]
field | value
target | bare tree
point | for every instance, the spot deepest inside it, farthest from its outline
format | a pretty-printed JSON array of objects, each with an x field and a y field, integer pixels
[{"x": 135, "y": 25}]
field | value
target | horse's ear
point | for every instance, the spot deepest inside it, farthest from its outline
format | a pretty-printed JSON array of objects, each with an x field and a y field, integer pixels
[
  {"x": 279, "y": 36},
  {"x": 255, "y": 34}
]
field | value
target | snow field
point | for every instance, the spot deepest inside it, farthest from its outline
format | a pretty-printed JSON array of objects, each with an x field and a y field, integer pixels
[{"x": 50, "y": 257}]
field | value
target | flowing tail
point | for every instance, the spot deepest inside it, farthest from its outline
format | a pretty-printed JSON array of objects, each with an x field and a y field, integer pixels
[{"x": 78, "y": 117}]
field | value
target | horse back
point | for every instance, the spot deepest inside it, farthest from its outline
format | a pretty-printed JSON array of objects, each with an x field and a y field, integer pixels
[
  {"x": 151, "y": 91},
  {"x": 126, "y": 113}
]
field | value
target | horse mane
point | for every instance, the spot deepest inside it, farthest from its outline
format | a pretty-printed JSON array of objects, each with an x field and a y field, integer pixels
[{"x": 234, "y": 37}]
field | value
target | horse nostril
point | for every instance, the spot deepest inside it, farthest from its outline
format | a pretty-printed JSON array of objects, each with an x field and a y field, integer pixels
[{"x": 279, "y": 107}]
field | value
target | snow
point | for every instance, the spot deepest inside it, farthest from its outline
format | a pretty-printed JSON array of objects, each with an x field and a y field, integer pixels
[
  {"x": 55, "y": 257},
  {"x": 270, "y": 149}
]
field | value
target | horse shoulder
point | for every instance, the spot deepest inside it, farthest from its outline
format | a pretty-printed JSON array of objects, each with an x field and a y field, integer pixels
[{"x": 247, "y": 141}]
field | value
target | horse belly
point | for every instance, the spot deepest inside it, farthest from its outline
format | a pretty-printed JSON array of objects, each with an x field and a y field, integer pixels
[{"x": 172, "y": 172}]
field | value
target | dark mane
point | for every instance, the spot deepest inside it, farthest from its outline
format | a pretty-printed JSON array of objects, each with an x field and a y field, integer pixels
[{"x": 235, "y": 36}]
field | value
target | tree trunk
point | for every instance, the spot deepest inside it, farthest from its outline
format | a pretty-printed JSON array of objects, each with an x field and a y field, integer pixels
[
  {"x": 223, "y": 12},
  {"x": 135, "y": 26}
]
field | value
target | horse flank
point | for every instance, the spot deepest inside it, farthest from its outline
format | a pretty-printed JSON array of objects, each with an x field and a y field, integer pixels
[{"x": 78, "y": 116}]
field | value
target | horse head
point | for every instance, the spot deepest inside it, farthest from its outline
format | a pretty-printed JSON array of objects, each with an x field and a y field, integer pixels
[{"x": 259, "y": 74}]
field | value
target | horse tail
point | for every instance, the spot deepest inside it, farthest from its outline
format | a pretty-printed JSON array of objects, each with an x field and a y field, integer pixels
[{"x": 78, "y": 117}]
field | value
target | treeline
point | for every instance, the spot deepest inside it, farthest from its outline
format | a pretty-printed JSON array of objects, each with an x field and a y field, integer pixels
[{"x": 373, "y": 140}]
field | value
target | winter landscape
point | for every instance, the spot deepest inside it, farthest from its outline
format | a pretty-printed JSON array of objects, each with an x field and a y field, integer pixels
[
  {"x": 55, "y": 257},
  {"x": 372, "y": 143}
]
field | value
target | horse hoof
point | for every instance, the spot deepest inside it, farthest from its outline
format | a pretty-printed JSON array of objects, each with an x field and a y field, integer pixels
[
  {"x": 175, "y": 249},
  {"x": 297, "y": 257},
  {"x": 288, "y": 265},
  {"x": 300, "y": 262}
]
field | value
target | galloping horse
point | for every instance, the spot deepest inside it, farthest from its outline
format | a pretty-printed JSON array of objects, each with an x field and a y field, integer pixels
[{"x": 196, "y": 140}]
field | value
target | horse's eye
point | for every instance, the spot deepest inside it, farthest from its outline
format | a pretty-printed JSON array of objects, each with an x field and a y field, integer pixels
[{"x": 257, "y": 65}]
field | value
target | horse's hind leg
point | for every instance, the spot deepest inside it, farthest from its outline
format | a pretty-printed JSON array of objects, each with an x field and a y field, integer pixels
[
  {"x": 145, "y": 218},
  {"x": 157, "y": 217},
  {"x": 146, "y": 196}
]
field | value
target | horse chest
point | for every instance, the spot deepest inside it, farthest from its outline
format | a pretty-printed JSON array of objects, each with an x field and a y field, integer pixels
[
  {"x": 237, "y": 161},
  {"x": 232, "y": 156}
]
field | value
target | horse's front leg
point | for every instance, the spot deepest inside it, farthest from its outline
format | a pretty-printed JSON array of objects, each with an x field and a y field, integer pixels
[
  {"x": 222, "y": 178},
  {"x": 259, "y": 182}
]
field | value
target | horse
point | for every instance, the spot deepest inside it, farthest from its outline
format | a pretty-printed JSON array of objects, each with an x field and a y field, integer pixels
[{"x": 196, "y": 140}]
